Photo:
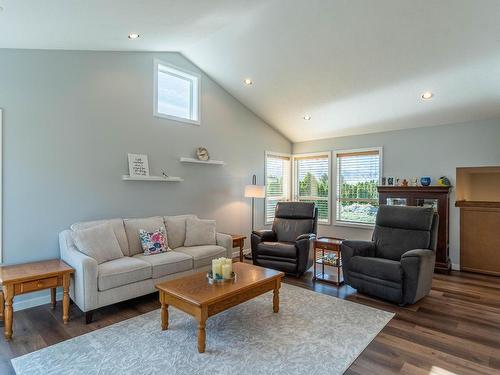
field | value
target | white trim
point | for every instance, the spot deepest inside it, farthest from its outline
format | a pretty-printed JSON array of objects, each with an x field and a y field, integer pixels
[
  {"x": 455, "y": 266},
  {"x": 295, "y": 182},
  {"x": 334, "y": 190},
  {"x": 1, "y": 186},
  {"x": 267, "y": 222},
  {"x": 184, "y": 73},
  {"x": 35, "y": 301}
]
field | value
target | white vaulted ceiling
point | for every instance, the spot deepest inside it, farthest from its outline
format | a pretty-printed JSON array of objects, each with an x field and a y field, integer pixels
[{"x": 355, "y": 66}]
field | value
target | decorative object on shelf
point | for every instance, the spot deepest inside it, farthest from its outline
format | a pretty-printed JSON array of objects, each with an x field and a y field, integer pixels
[
  {"x": 222, "y": 269},
  {"x": 397, "y": 181},
  {"x": 414, "y": 181},
  {"x": 202, "y": 154},
  {"x": 390, "y": 181},
  {"x": 444, "y": 181},
  {"x": 138, "y": 165},
  {"x": 254, "y": 191},
  {"x": 164, "y": 174},
  {"x": 384, "y": 181},
  {"x": 425, "y": 181},
  {"x": 404, "y": 183}
]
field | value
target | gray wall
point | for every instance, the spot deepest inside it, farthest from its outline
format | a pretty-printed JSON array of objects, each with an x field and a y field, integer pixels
[
  {"x": 431, "y": 151},
  {"x": 71, "y": 117}
]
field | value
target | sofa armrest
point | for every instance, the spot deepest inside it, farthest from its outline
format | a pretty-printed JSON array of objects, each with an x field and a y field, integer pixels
[
  {"x": 225, "y": 240},
  {"x": 85, "y": 277},
  {"x": 418, "y": 269},
  {"x": 349, "y": 249}
]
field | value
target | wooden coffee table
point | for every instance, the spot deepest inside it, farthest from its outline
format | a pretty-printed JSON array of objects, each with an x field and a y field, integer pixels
[{"x": 195, "y": 296}]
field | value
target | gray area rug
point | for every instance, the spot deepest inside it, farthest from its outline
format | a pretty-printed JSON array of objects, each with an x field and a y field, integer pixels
[{"x": 312, "y": 334}]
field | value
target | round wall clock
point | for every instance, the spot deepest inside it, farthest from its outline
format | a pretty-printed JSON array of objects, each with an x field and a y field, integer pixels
[{"x": 202, "y": 154}]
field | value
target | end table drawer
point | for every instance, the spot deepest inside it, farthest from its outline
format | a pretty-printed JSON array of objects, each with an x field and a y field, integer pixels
[{"x": 29, "y": 286}]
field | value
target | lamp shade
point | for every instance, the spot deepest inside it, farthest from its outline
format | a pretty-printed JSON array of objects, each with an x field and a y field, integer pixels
[{"x": 255, "y": 191}]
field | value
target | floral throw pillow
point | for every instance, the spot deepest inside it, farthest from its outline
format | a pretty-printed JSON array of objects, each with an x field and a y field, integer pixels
[{"x": 153, "y": 242}]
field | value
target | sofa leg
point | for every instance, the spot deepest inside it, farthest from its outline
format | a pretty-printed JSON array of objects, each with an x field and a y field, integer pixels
[{"x": 88, "y": 317}]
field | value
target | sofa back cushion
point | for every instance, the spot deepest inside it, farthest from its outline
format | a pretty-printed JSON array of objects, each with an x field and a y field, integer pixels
[
  {"x": 199, "y": 232},
  {"x": 399, "y": 229},
  {"x": 118, "y": 229},
  {"x": 98, "y": 242},
  {"x": 176, "y": 230},
  {"x": 132, "y": 227}
]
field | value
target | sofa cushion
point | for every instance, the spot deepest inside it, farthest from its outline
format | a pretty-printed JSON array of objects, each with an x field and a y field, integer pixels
[
  {"x": 379, "y": 268},
  {"x": 98, "y": 242},
  {"x": 176, "y": 230},
  {"x": 132, "y": 227},
  {"x": 122, "y": 271},
  {"x": 167, "y": 263},
  {"x": 153, "y": 242},
  {"x": 278, "y": 249},
  {"x": 199, "y": 232},
  {"x": 202, "y": 255},
  {"x": 116, "y": 224}
]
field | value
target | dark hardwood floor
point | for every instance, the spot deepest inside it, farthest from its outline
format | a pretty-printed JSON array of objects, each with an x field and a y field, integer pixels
[{"x": 455, "y": 330}]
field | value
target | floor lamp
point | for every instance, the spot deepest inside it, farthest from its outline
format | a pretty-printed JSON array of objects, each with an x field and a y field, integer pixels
[{"x": 254, "y": 191}]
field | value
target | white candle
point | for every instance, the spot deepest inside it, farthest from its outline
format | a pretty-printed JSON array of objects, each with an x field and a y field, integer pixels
[
  {"x": 216, "y": 267},
  {"x": 226, "y": 271}
]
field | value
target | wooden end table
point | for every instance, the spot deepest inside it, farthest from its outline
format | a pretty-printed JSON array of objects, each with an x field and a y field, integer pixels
[
  {"x": 31, "y": 277},
  {"x": 322, "y": 247},
  {"x": 238, "y": 241},
  {"x": 197, "y": 297}
]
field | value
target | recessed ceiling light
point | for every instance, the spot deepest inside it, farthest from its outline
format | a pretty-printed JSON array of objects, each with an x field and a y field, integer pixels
[
  {"x": 427, "y": 95},
  {"x": 307, "y": 117},
  {"x": 247, "y": 81},
  {"x": 133, "y": 36}
]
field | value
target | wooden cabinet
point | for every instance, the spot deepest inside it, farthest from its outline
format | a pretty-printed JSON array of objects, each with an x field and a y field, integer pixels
[{"x": 436, "y": 197}]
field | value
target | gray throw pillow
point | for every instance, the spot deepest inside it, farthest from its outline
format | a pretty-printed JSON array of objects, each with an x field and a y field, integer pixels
[
  {"x": 98, "y": 242},
  {"x": 199, "y": 232}
]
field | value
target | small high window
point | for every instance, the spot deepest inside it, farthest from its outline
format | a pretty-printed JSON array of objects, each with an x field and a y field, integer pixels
[{"x": 177, "y": 93}]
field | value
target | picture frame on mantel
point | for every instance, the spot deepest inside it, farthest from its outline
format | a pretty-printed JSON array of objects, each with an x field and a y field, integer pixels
[{"x": 138, "y": 165}]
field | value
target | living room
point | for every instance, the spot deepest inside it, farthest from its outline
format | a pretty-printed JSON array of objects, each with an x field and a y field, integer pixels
[{"x": 171, "y": 170}]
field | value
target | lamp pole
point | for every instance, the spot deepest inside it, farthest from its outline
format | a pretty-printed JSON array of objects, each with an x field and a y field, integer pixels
[{"x": 254, "y": 182}]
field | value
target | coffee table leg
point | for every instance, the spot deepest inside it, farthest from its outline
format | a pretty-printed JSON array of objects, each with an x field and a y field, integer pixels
[
  {"x": 276, "y": 297},
  {"x": 201, "y": 330},
  {"x": 164, "y": 313}
]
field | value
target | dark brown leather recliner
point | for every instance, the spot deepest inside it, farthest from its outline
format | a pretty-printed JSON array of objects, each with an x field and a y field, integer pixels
[{"x": 287, "y": 246}]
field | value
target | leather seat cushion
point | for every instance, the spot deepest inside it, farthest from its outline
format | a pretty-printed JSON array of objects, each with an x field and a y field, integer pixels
[
  {"x": 202, "y": 255},
  {"x": 379, "y": 268},
  {"x": 122, "y": 271},
  {"x": 164, "y": 264},
  {"x": 277, "y": 249}
]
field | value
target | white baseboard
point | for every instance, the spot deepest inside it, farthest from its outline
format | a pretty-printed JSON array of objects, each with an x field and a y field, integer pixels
[
  {"x": 236, "y": 254},
  {"x": 35, "y": 301},
  {"x": 455, "y": 267}
]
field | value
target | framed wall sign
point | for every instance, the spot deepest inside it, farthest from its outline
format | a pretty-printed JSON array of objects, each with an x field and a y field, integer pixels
[{"x": 138, "y": 165}]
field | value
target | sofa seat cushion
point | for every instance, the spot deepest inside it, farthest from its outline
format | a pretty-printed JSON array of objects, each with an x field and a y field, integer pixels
[
  {"x": 278, "y": 249},
  {"x": 122, "y": 271},
  {"x": 202, "y": 255},
  {"x": 378, "y": 268},
  {"x": 164, "y": 264}
]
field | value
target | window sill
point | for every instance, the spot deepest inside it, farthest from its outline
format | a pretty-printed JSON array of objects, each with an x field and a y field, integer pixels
[
  {"x": 354, "y": 225},
  {"x": 175, "y": 118}
]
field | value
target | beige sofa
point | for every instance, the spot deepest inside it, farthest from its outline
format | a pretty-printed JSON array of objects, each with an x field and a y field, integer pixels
[{"x": 96, "y": 285}]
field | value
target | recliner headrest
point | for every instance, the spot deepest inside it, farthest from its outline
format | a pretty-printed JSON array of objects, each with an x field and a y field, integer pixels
[
  {"x": 295, "y": 210},
  {"x": 403, "y": 217}
]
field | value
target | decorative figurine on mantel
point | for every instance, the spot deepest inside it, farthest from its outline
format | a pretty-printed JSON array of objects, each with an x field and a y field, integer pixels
[{"x": 202, "y": 154}]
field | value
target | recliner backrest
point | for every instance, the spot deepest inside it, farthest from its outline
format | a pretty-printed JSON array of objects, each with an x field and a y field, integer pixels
[
  {"x": 291, "y": 219},
  {"x": 399, "y": 229}
]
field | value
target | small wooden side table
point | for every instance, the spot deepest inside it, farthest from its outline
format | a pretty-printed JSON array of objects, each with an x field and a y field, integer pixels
[
  {"x": 239, "y": 241},
  {"x": 31, "y": 277},
  {"x": 323, "y": 246}
]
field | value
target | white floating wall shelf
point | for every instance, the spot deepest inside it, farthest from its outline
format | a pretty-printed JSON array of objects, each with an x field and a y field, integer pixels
[
  {"x": 196, "y": 161},
  {"x": 126, "y": 177}
]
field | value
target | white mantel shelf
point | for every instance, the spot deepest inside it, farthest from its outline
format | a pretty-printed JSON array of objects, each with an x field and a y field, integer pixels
[
  {"x": 196, "y": 161},
  {"x": 126, "y": 177}
]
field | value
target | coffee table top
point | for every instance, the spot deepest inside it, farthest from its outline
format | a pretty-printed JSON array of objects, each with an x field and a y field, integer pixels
[{"x": 196, "y": 290}]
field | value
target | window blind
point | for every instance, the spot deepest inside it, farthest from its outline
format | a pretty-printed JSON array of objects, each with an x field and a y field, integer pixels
[
  {"x": 277, "y": 183},
  {"x": 358, "y": 174},
  {"x": 312, "y": 182}
]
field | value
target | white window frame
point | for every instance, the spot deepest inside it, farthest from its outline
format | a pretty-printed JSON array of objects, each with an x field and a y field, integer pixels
[
  {"x": 341, "y": 223},
  {"x": 295, "y": 182},
  {"x": 195, "y": 93},
  {"x": 289, "y": 193}
]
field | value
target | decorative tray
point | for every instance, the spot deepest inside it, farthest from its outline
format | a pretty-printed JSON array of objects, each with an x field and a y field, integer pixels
[{"x": 212, "y": 280}]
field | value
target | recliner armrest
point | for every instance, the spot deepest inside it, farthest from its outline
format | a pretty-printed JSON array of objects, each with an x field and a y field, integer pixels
[
  {"x": 418, "y": 253},
  {"x": 266, "y": 235},
  {"x": 418, "y": 269},
  {"x": 306, "y": 236},
  {"x": 358, "y": 248}
]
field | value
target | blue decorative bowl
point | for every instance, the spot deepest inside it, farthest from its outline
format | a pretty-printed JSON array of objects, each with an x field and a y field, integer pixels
[{"x": 425, "y": 181}]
